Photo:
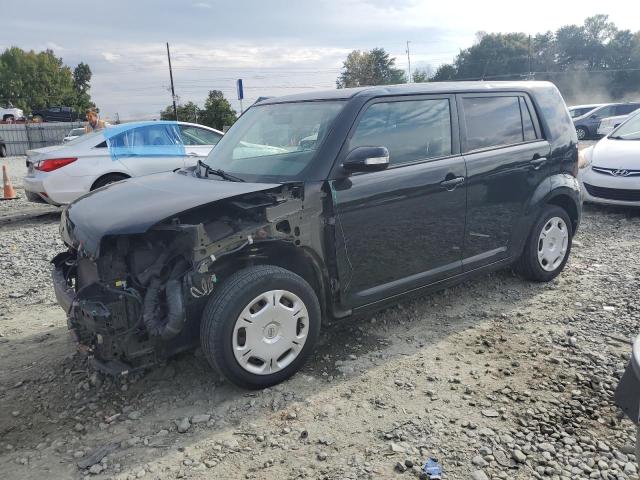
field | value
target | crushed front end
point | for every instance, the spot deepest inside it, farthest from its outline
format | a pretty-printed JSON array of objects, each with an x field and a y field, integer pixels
[{"x": 136, "y": 297}]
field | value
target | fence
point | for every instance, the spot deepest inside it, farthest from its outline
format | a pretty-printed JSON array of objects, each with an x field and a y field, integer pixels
[{"x": 26, "y": 136}]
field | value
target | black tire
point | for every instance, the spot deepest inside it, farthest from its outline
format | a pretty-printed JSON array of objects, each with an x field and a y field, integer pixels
[
  {"x": 3, "y": 151},
  {"x": 228, "y": 302},
  {"x": 528, "y": 265},
  {"x": 107, "y": 179},
  {"x": 8, "y": 118},
  {"x": 583, "y": 133}
]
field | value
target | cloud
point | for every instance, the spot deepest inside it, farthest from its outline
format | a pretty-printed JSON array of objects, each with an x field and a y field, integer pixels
[{"x": 202, "y": 5}]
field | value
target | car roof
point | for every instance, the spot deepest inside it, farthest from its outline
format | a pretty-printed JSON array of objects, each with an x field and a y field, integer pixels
[
  {"x": 592, "y": 105},
  {"x": 406, "y": 89},
  {"x": 128, "y": 125}
]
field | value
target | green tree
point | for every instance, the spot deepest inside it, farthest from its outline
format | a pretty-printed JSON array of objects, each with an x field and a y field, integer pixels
[
  {"x": 374, "y": 67},
  {"x": 188, "y": 112},
  {"x": 32, "y": 80},
  {"x": 444, "y": 72},
  {"x": 81, "y": 84},
  {"x": 421, "y": 75},
  {"x": 217, "y": 111}
]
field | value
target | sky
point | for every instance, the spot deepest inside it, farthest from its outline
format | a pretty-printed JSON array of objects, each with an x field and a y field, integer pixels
[{"x": 276, "y": 46}]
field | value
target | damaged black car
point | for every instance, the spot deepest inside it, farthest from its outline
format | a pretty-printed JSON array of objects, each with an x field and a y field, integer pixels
[{"x": 314, "y": 207}]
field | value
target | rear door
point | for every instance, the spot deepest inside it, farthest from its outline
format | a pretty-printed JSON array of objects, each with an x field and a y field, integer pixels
[
  {"x": 198, "y": 142},
  {"x": 149, "y": 149},
  {"x": 403, "y": 227},
  {"x": 506, "y": 158}
]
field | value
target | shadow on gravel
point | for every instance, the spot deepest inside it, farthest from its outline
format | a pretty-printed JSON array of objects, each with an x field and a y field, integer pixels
[{"x": 53, "y": 401}]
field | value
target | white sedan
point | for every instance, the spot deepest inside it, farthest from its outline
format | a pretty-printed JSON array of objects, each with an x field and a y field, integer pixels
[
  {"x": 60, "y": 174},
  {"x": 610, "y": 170}
]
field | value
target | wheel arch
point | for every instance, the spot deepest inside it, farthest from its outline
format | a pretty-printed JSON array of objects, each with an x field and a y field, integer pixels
[
  {"x": 117, "y": 173},
  {"x": 300, "y": 260}
]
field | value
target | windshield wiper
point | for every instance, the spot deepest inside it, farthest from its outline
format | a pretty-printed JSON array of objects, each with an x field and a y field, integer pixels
[
  {"x": 219, "y": 173},
  {"x": 616, "y": 137}
]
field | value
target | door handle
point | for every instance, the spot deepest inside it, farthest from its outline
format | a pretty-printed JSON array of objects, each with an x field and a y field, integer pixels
[
  {"x": 452, "y": 183},
  {"x": 537, "y": 161}
]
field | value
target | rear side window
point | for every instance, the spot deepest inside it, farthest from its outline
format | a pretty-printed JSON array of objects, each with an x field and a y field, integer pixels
[
  {"x": 411, "y": 130},
  {"x": 492, "y": 121}
]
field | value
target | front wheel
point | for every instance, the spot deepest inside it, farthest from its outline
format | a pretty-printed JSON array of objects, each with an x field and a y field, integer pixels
[
  {"x": 582, "y": 133},
  {"x": 548, "y": 246},
  {"x": 260, "y": 326}
]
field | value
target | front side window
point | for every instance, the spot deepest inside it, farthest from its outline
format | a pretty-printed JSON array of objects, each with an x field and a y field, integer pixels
[
  {"x": 198, "y": 136},
  {"x": 274, "y": 142},
  {"x": 603, "y": 112},
  {"x": 492, "y": 121},
  {"x": 578, "y": 112},
  {"x": 411, "y": 130}
]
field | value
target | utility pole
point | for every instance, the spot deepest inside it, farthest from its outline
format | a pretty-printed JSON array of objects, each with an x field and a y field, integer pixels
[
  {"x": 173, "y": 92},
  {"x": 530, "y": 75},
  {"x": 409, "y": 61}
]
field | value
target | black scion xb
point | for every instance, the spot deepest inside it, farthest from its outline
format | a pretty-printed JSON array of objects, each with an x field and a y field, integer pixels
[{"x": 318, "y": 206}]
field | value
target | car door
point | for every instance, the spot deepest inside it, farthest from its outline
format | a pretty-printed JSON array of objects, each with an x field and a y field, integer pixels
[
  {"x": 198, "y": 142},
  {"x": 403, "y": 227},
  {"x": 148, "y": 149},
  {"x": 506, "y": 159}
]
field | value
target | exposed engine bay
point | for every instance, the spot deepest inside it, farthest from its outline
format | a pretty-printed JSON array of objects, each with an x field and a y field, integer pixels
[{"x": 140, "y": 299}]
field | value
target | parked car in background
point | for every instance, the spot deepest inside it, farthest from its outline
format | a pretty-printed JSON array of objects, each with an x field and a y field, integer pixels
[
  {"x": 580, "y": 110},
  {"x": 609, "y": 124},
  {"x": 587, "y": 124},
  {"x": 73, "y": 134},
  {"x": 316, "y": 206},
  {"x": 60, "y": 174},
  {"x": 55, "y": 114},
  {"x": 3, "y": 148},
  {"x": 10, "y": 113},
  {"x": 610, "y": 170}
]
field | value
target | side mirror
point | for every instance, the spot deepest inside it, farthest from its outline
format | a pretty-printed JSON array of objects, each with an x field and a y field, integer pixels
[{"x": 366, "y": 159}]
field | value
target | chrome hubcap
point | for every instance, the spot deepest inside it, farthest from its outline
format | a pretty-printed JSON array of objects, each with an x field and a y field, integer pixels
[
  {"x": 270, "y": 332},
  {"x": 581, "y": 134},
  {"x": 552, "y": 244}
]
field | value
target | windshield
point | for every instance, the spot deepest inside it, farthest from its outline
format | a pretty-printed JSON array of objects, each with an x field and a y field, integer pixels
[
  {"x": 629, "y": 130},
  {"x": 578, "y": 112},
  {"x": 274, "y": 142}
]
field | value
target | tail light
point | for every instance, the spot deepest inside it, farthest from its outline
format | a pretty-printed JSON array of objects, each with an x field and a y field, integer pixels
[{"x": 52, "y": 164}]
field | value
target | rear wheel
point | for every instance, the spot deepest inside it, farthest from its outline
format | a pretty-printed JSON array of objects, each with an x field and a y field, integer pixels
[
  {"x": 9, "y": 118},
  {"x": 548, "y": 246},
  {"x": 582, "y": 133},
  {"x": 107, "y": 179},
  {"x": 260, "y": 326}
]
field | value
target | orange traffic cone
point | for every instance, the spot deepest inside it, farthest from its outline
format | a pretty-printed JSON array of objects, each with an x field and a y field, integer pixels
[{"x": 9, "y": 191}]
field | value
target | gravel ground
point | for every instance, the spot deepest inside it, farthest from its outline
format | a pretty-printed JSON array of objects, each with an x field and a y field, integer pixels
[{"x": 496, "y": 378}]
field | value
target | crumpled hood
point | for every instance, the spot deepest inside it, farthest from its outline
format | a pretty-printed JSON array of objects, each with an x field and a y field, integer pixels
[
  {"x": 135, "y": 205},
  {"x": 622, "y": 154}
]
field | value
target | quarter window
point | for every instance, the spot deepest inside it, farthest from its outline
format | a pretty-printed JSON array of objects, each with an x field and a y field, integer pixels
[
  {"x": 527, "y": 122},
  {"x": 496, "y": 121},
  {"x": 411, "y": 130}
]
